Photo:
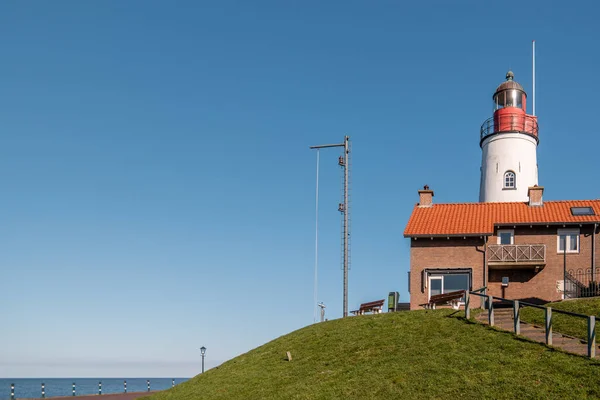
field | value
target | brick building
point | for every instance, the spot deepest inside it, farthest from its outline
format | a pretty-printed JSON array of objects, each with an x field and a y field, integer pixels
[
  {"x": 476, "y": 245},
  {"x": 511, "y": 242}
]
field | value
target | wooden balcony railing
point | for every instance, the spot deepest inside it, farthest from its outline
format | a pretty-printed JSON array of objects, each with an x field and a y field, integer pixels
[{"x": 525, "y": 254}]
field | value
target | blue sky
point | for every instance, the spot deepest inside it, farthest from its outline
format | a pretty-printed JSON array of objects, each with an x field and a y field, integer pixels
[{"x": 157, "y": 186}]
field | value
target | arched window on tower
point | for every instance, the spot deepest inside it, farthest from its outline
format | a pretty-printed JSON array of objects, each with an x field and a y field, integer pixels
[{"x": 510, "y": 180}]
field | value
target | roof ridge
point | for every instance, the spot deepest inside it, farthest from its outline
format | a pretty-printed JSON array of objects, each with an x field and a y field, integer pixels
[{"x": 510, "y": 202}]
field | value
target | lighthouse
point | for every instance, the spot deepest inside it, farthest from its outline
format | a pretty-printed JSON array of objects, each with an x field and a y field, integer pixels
[{"x": 508, "y": 142}]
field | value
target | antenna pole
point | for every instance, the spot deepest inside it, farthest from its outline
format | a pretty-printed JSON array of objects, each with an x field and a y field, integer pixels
[
  {"x": 345, "y": 209},
  {"x": 316, "y": 241},
  {"x": 533, "y": 59},
  {"x": 346, "y": 232}
]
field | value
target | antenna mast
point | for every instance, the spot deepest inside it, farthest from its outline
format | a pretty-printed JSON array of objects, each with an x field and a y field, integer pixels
[
  {"x": 533, "y": 92},
  {"x": 344, "y": 208}
]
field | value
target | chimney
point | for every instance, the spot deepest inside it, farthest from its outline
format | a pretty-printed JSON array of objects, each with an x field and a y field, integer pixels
[
  {"x": 425, "y": 197},
  {"x": 535, "y": 195}
]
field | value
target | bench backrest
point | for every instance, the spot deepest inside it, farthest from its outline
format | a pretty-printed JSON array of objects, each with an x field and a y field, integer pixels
[
  {"x": 446, "y": 297},
  {"x": 372, "y": 304}
]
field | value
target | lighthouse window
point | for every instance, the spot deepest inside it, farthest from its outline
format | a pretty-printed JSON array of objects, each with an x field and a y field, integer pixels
[
  {"x": 508, "y": 98},
  {"x": 511, "y": 98},
  {"x": 509, "y": 180}
]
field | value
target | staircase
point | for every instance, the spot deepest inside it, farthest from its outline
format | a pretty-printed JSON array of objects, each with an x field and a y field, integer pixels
[{"x": 503, "y": 319}]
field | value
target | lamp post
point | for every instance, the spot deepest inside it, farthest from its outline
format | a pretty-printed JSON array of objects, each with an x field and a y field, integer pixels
[
  {"x": 322, "y": 306},
  {"x": 203, "y": 351}
]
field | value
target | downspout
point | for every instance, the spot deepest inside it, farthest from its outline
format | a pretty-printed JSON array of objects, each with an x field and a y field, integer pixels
[
  {"x": 485, "y": 278},
  {"x": 594, "y": 253},
  {"x": 485, "y": 266}
]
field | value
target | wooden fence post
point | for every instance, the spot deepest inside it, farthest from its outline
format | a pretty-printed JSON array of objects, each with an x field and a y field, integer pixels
[
  {"x": 549, "y": 326},
  {"x": 490, "y": 310},
  {"x": 517, "y": 317},
  {"x": 592, "y": 336},
  {"x": 467, "y": 305}
]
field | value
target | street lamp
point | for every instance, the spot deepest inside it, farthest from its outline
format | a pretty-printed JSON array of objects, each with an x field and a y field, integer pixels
[
  {"x": 203, "y": 351},
  {"x": 322, "y": 306}
]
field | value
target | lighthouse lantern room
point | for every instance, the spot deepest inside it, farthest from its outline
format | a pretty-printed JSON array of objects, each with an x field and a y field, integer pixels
[{"x": 508, "y": 142}]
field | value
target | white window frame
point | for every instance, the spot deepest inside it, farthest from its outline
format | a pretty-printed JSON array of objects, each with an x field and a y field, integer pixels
[
  {"x": 441, "y": 276},
  {"x": 514, "y": 186},
  {"x": 429, "y": 278},
  {"x": 567, "y": 234},
  {"x": 512, "y": 235}
]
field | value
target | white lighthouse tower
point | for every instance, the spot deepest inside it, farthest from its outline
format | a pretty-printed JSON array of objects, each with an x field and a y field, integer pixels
[{"x": 508, "y": 143}]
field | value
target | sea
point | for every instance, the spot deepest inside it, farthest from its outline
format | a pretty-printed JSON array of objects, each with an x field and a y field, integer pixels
[{"x": 32, "y": 387}]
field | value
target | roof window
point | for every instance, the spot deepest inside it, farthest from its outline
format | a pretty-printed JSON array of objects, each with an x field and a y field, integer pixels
[{"x": 577, "y": 211}]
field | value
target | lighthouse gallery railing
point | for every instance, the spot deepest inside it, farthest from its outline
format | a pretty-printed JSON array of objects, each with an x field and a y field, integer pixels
[{"x": 510, "y": 123}]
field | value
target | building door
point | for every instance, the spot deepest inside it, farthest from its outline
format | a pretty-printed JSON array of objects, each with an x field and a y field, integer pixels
[{"x": 436, "y": 285}]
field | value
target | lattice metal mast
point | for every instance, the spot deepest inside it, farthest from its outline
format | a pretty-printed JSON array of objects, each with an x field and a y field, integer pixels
[{"x": 344, "y": 208}]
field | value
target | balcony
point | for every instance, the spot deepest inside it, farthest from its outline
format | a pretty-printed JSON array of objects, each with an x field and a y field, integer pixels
[
  {"x": 516, "y": 255},
  {"x": 509, "y": 123}
]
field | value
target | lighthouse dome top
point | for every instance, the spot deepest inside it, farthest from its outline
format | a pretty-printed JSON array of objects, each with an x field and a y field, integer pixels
[{"x": 509, "y": 84}]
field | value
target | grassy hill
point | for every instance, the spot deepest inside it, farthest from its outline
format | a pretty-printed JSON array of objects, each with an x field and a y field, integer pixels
[
  {"x": 565, "y": 323},
  {"x": 408, "y": 355}
]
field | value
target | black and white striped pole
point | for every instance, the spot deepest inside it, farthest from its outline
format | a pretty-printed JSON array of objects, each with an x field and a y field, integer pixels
[
  {"x": 148, "y": 382},
  {"x": 73, "y": 388},
  {"x": 125, "y": 386},
  {"x": 12, "y": 391},
  {"x": 172, "y": 382},
  {"x": 43, "y": 391},
  {"x": 100, "y": 388}
]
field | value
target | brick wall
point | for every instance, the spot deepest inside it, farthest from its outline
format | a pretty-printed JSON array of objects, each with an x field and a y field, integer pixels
[
  {"x": 524, "y": 283},
  {"x": 443, "y": 253}
]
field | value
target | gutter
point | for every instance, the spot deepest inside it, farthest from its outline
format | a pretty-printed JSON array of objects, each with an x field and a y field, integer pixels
[
  {"x": 453, "y": 235},
  {"x": 499, "y": 224}
]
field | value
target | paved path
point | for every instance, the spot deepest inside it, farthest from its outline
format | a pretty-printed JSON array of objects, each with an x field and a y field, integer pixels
[
  {"x": 503, "y": 319},
  {"x": 119, "y": 396}
]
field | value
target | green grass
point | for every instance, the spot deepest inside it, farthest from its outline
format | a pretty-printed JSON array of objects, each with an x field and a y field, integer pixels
[
  {"x": 429, "y": 354},
  {"x": 566, "y": 324}
]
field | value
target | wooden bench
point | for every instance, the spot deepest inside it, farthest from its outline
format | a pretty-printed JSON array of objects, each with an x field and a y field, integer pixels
[
  {"x": 373, "y": 306},
  {"x": 452, "y": 298}
]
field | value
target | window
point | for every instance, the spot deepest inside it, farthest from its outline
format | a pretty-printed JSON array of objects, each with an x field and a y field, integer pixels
[
  {"x": 582, "y": 211},
  {"x": 568, "y": 238},
  {"x": 506, "y": 236},
  {"x": 447, "y": 281},
  {"x": 510, "y": 180}
]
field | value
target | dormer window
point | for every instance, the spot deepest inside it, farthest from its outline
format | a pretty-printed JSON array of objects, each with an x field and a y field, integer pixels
[{"x": 510, "y": 180}]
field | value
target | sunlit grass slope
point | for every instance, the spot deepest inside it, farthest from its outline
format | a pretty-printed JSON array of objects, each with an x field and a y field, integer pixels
[
  {"x": 566, "y": 324},
  {"x": 406, "y": 355}
]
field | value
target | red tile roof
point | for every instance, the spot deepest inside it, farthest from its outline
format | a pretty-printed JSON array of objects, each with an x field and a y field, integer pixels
[{"x": 469, "y": 219}]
